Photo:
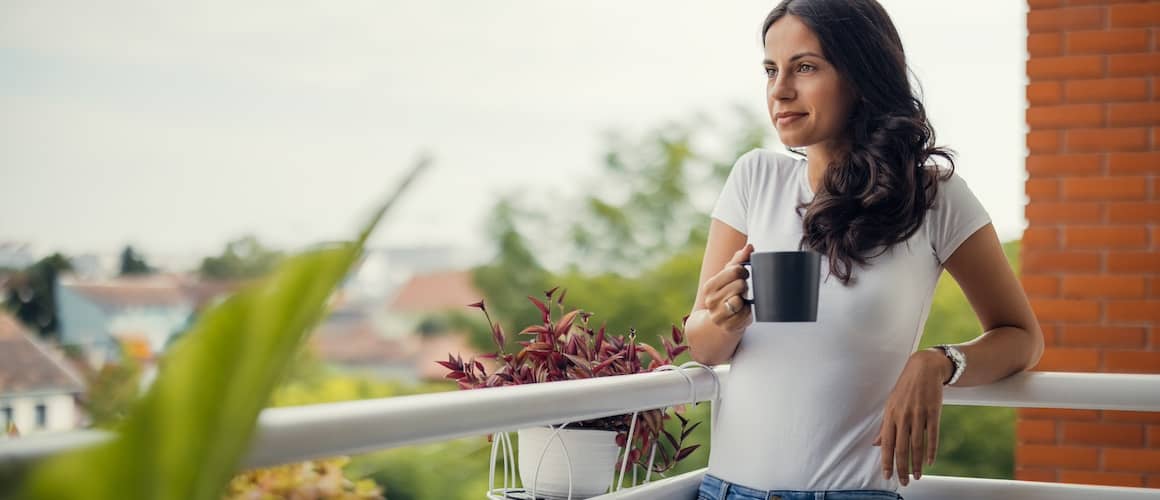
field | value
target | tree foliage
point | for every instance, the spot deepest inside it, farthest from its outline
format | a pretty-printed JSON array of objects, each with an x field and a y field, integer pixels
[
  {"x": 242, "y": 258},
  {"x": 133, "y": 263},
  {"x": 31, "y": 294}
]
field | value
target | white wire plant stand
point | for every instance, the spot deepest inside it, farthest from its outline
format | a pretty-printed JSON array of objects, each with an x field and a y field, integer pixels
[{"x": 503, "y": 450}]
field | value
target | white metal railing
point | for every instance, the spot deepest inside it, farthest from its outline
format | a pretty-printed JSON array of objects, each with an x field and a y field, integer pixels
[{"x": 297, "y": 433}]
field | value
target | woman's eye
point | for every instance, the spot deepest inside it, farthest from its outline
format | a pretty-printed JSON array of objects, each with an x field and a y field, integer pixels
[
  {"x": 771, "y": 72},
  {"x": 805, "y": 68}
]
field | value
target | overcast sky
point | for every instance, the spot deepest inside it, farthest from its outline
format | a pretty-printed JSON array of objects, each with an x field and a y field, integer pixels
[{"x": 176, "y": 126}]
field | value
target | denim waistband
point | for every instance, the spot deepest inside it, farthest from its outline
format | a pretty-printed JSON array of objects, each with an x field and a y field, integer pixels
[{"x": 715, "y": 488}]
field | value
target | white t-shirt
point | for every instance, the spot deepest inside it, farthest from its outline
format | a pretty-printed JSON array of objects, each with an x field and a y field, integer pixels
[{"x": 803, "y": 401}]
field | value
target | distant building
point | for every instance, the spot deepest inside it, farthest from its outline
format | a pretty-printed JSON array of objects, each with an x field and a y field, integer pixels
[
  {"x": 395, "y": 341},
  {"x": 348, "y": 340},
  {"x": 38, "y": 389},
  {"x": 141, "y": 314},
  {"x": 383, "y": 270}
]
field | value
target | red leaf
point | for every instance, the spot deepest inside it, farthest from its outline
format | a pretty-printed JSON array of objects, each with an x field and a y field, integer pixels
[
  {"x": 679, "y": 349},
  {"x": 560, "y": 299},
  {"x": 540, "y": 347},
  {"x": 478, "y": 305},
  {"x": 653, "y": 418},
  {"x": 534, "y": 330},
  {"x": 684, "y": 421},
  {"x": 685, "y": 433},
  {"x": 577, "y": 374},
  {"x": 455, "y": 375},
  {"x": 672, "y": 440},
  {"x": 540, "y": 305},
  {"x": 678, "y": 335},
  {"x": 573, "y": 345},
  {"x": 565, "y": 323},
  {"x": 448, "y": 365},
  {"x": 497, "y": 335},
  {"x": 550, "y": 292},
  {"x": 605, "y": 364},
  {"x": 621, "y": 438},
  {"x": 686, "y": 451},
  {"x": 656, "y": 356},
  {"x": 492, "y": 355},
  {"x": 664, "y": 456},
  {"x": 579, "y": 362},
  {"x": 464, "y": 385}
]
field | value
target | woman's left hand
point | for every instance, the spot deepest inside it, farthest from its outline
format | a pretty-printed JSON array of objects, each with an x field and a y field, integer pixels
[{"x": 909, "y": 434}]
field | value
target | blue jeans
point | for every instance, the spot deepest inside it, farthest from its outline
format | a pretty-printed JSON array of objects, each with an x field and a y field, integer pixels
[{"x": 715, "y": 488}]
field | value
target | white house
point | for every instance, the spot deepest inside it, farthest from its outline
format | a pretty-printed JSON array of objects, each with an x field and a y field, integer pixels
[
  {"x": 140, "y": 313},
  {"x": 38, "y": 390}
]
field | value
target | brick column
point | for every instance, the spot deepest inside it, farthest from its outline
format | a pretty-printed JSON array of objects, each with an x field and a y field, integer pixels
[{"x": 1091, "y": 252}]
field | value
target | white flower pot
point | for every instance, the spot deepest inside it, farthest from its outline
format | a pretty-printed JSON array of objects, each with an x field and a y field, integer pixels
[{"x": 593, "y": 455}]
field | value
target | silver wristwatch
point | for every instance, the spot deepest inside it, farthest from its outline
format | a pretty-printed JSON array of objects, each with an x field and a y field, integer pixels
[{"x": 957, "y": 358}]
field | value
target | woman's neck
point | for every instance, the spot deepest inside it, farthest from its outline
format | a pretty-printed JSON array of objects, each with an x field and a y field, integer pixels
[{"x": 818, "y": 159}]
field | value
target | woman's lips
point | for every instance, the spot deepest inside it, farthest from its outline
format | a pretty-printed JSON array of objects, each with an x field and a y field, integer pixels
[{"x": 788, "y": 118}]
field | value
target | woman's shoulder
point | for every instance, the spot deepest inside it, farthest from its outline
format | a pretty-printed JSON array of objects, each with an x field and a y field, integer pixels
[
  {"x": 767, "y": 158},
  {"x": 766, "y": 164},
  {"x": 952, "y": 188}
]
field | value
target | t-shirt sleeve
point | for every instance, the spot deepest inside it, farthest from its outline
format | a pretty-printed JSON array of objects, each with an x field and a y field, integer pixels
[
  {"x": 732, "y": 205},
  {"x": 955, "y": 216}
]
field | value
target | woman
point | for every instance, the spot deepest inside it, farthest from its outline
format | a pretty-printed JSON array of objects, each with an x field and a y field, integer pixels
[{"x": 845, "y": 405}]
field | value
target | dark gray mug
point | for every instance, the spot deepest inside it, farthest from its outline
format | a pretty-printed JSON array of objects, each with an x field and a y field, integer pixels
[{"x": 785, "y": 286}]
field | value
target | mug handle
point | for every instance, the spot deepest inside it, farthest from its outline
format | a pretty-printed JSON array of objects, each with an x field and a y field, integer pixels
[{"x": 748, "y": 301}]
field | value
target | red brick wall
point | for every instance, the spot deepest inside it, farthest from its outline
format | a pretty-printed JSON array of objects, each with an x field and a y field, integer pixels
[{"x": 1091, "y": 252}]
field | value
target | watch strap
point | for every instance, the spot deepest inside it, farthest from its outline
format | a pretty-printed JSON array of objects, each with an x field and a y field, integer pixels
[{"x": 958, "y": 359}]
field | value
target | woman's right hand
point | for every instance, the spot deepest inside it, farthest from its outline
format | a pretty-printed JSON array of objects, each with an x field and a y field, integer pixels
[{"x": 725, "y": 294}]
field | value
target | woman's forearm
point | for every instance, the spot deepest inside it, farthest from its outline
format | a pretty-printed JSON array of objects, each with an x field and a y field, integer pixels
[
  {"x": 708, "y": 343},
  {"x": 998, "y": 354}
]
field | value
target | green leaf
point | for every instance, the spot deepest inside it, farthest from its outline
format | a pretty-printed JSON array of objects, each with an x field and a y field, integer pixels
[{"x": 186, "y": 437}]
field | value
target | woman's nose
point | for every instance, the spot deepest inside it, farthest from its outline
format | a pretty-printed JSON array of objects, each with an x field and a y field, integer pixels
[{"x": 781, "y": 89}]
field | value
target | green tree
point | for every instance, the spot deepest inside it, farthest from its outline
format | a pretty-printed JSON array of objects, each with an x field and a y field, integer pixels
[
  {"x": 31, "y": 294},
  {"x": 242, "y": 258},
  {"x": 111, "y": 391},
  {"x": 133, "y": 263}
]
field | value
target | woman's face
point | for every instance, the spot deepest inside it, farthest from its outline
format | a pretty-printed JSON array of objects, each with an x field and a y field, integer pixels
[{"x": 808, "y": 102}]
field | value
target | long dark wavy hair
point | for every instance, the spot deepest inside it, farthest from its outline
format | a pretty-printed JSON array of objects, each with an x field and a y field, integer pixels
[{"x": 878, "y": 188}]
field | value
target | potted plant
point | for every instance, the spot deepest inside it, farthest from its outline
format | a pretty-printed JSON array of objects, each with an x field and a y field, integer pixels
[{"x": 569, "y": 348}]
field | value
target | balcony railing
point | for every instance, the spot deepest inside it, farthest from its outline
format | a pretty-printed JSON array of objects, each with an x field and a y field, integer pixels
[{"x": 298, "y": 433}]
